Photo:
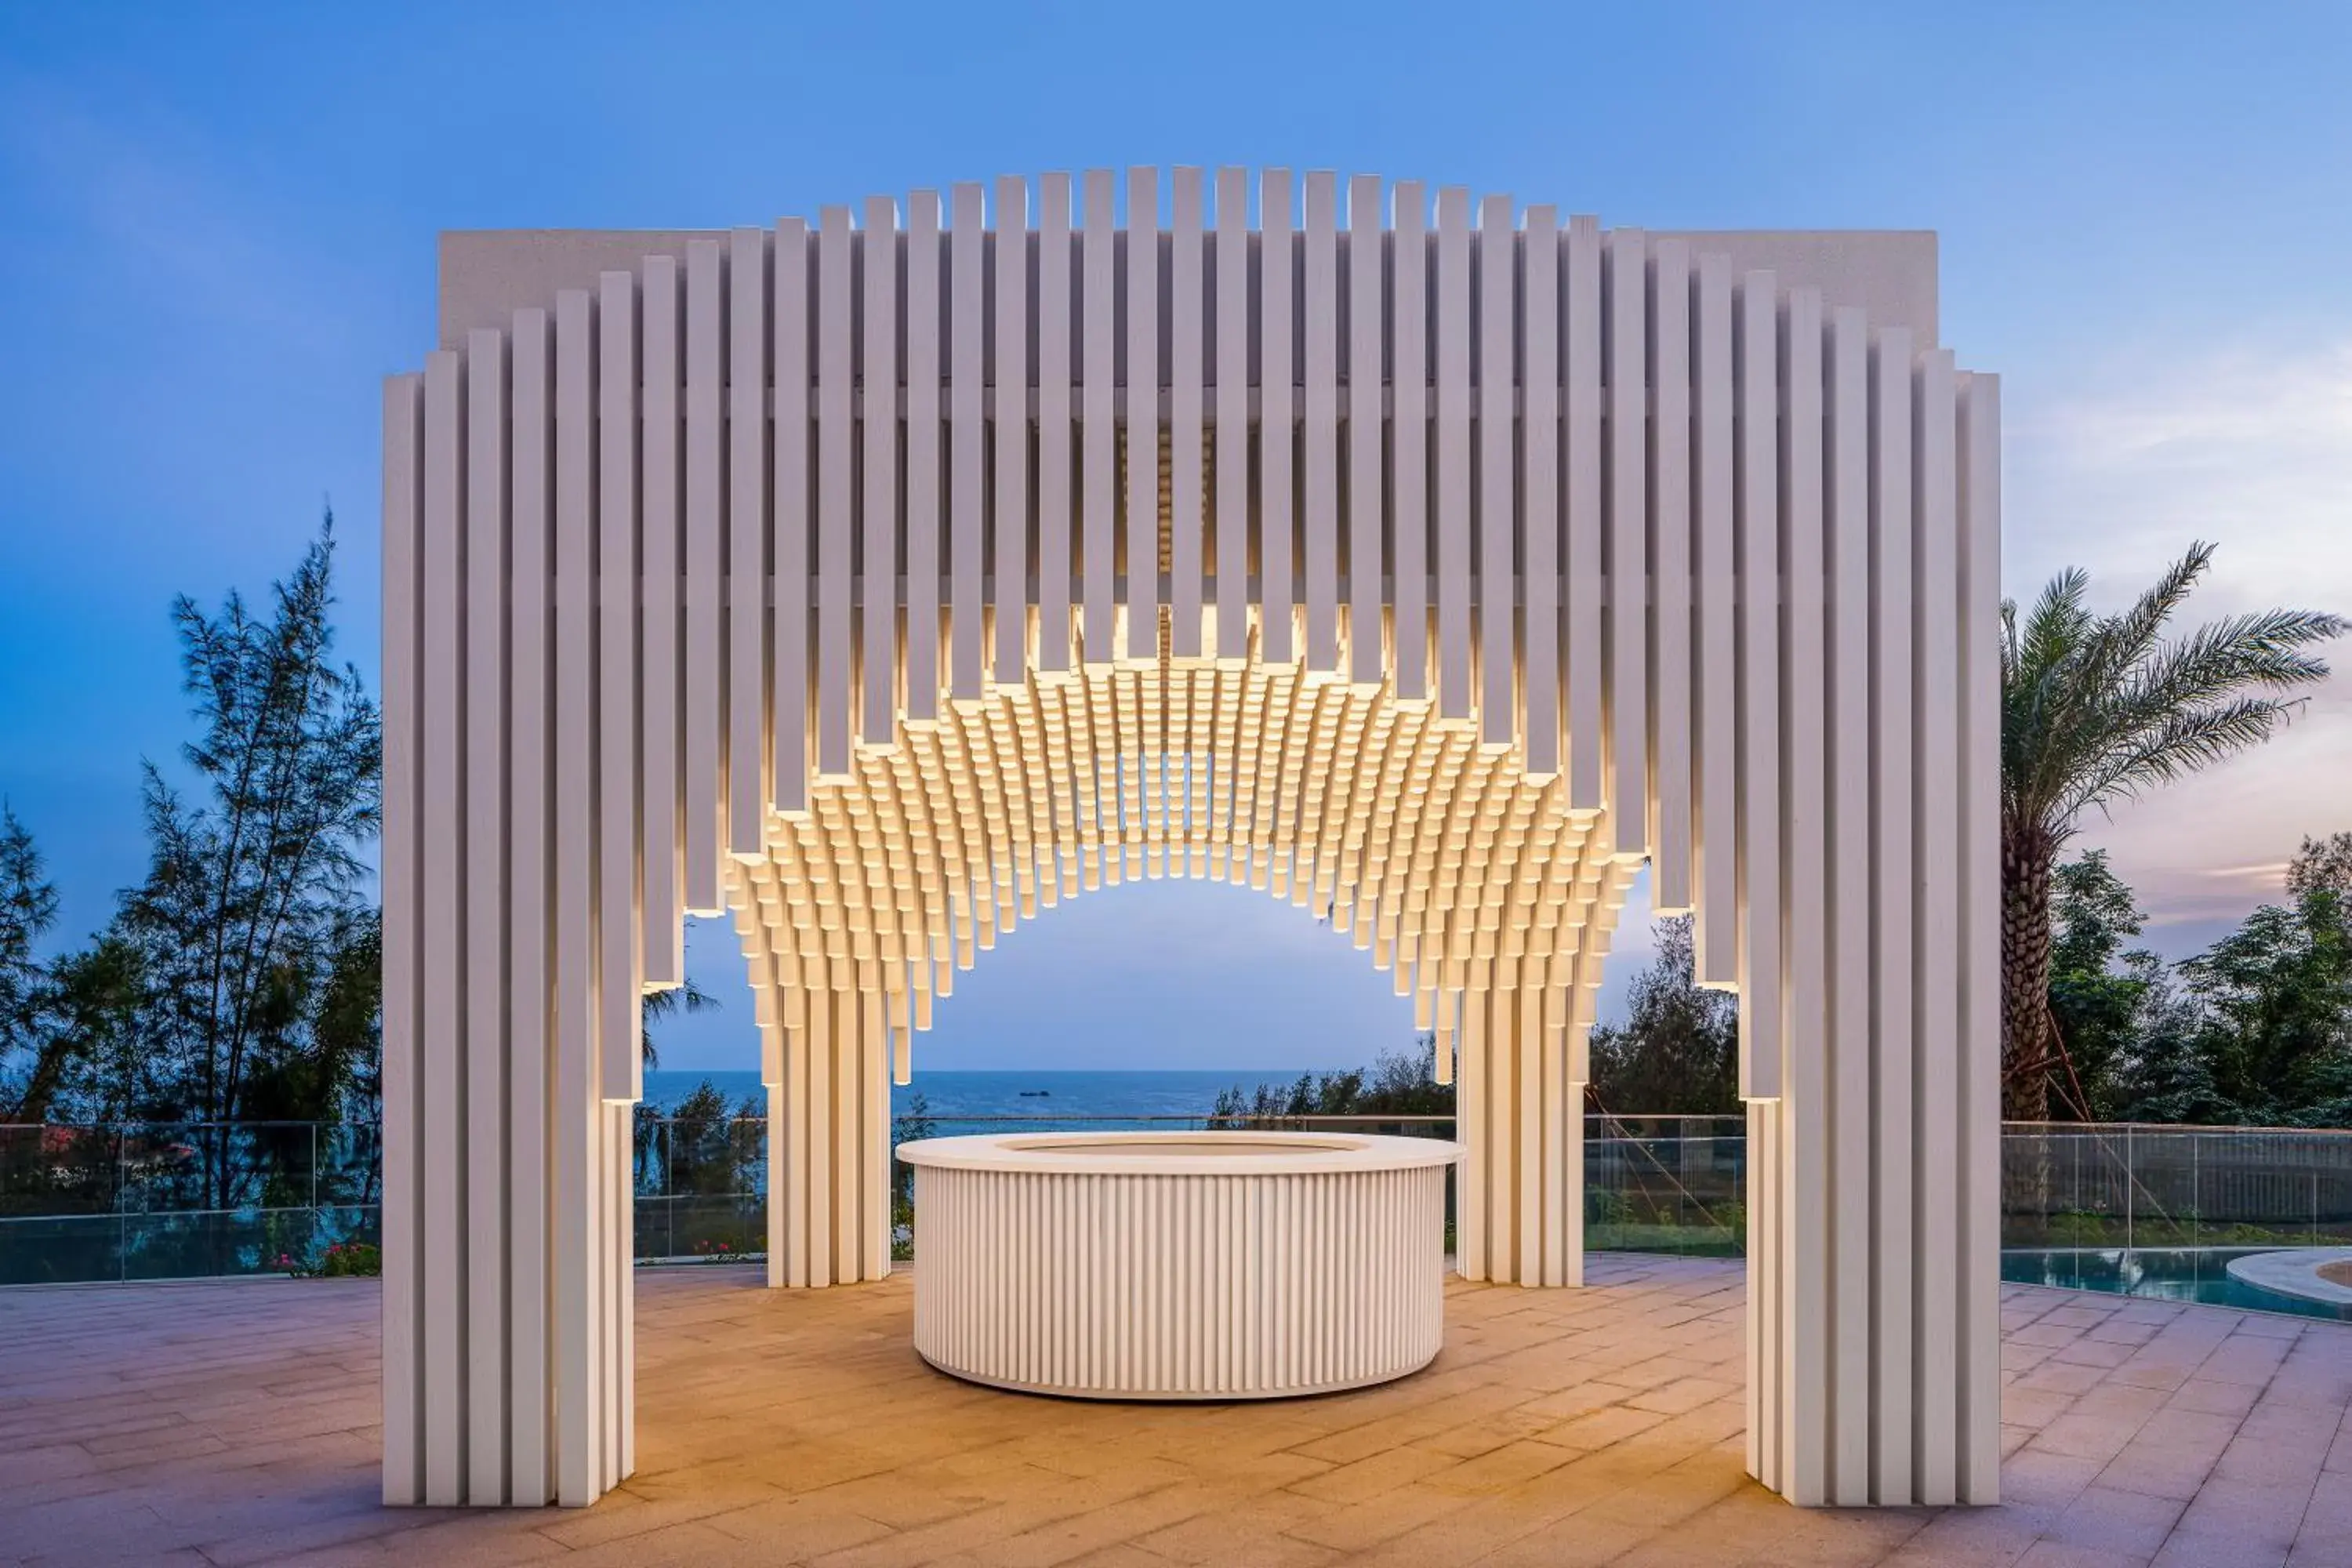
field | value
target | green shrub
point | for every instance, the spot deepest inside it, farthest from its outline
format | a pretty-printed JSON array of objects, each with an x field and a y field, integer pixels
[{"x": 345, "y": 1259}]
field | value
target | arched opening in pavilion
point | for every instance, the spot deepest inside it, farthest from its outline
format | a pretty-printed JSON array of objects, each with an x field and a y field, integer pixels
[{"x": 1485, "y": 898}]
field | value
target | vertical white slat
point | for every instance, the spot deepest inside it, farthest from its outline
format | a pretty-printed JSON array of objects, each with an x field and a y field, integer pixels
[
  {"x": 877, "y": 501},
  {"x": 1762, "y": 1300},
  {"x": 1408, "y": 429},
  {"x": 611, "y": 1328},
  {"x": 781, "y": 1222},
  {"x": 1765, "y": 624},
  {"x": 407, "y": 1136},
  {"x": 1319, "y": 309},
  {"x": 663, "y": 544},
  {"x": 1098, "y": 419},
  {"x": 1533, "y": 1196},
  {"x": 620, "y": 947},
  {"x": 1276, "y": 286},
  {"x": 577, "y": 1114},
  {"x": 1540, "y": 489},
  {"x": 1012, "y": 563},
  {"x": 1580, "y": 569},
  {"x": 1232, "y": 414},
  {"x": 1367, "y": 384},
  {"x": 747, "y": 749},
  {"x": 611, "y": 1299},
  {"x": 1572, "y": 1159},
  {"x": 875, "y": 1128},
  {"x": 1893, "y": 720},
  {"x": 1935, "y": 999},
  {"x": 1979, "y": 1103},
  {"x": 817, "y": 1122},
  {"x": 1470, "y": 1194},
  {"x": 1498, "y": 565},
  {"x": 1454, "y": 497},
  {"x": 1057, "y": 515},
  {"x": 1563, "y": 1194},
  {"x": 1804, "y": 704},
  {"x": 1508, "y": 1193},
  {"x": 1670, "y": 556},
  {"x": 966, "y": 437},
  {"x": 441, "y": 727},
  {"x": 1847, "y": 825},
  {"x": 849, "y": 1047},
  {"x": 925, "y": 520},
  {"x": 1143, "y": 413},
  {"x": 1187, "y": 351},
  {"x": 794, "y": 568},
  {"x": 797, "y": 1137},
  {"x": 1625, "y": 539},
  {"x": 837, "y": 496},
  {"x": 1502, "y": 1193},
  {"x": 1714, "y": 870},
  {"x": 706, "y": 544},
  {"x": 530, "y": 734},
  {"x": 621, "y": 1266},
  {"x": 487, "y": 1176}
]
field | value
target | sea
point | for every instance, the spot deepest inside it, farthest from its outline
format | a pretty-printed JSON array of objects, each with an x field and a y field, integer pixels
[{"x": 988, "y": 1097}]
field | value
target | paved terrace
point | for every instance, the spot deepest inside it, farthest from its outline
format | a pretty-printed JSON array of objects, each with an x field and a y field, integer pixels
[{"x": 237, "y": 1423}]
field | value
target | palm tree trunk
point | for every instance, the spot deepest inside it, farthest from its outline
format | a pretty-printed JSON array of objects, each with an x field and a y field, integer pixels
[{"x": 2026, "y": 855}]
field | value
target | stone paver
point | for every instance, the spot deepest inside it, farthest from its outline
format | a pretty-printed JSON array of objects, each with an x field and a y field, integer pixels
[{"x": 228, "y": 1423}]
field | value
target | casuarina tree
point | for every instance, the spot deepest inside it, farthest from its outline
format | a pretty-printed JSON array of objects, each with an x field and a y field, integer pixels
[
  {"x": 252, "y": 930},
  {"x": 28, "y": 907},
  {"x": 2098, "y": 709},
  {"x": 1677, "y": 1052}
]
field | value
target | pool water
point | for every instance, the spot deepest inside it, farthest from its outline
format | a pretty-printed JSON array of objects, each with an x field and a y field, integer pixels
[{"x": 2164, "y": 1273}]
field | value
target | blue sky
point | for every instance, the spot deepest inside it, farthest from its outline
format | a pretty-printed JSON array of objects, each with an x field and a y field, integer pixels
[{"x": 221, "y": 226}]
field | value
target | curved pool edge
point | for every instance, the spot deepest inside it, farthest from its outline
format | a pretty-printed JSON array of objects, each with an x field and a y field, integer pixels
[
  {"x": 2184, "y": 1275},
  {"x": 2295, "y": 1272}
]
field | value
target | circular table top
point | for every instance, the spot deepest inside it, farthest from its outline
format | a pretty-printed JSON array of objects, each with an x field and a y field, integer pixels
[{"x": 1216, "y": 1154}]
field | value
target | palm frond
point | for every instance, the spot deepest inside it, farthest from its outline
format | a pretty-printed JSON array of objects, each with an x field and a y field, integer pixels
[
  {"x": 2205, "y": 671},
  {"x": 2056, "y": 626},
  {"x": 2126, "y": 639},
  {"x": 2186, "y": 742},
  {"x": 2096, "y": 709}
]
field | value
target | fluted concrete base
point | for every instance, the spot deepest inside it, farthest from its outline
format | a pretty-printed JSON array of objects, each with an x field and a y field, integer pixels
[{"x": 1180, "y": 1266}]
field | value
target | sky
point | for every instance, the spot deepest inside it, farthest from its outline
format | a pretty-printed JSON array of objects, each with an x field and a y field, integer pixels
[{"x": 221, "y": 226}]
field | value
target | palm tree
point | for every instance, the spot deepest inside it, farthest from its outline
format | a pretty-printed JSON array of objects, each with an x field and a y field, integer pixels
[
  {"x": 2096, "y": 710},
  {"x": 661, "y": 1005}
]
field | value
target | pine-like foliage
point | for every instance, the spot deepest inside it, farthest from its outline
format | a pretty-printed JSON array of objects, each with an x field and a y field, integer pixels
[
  {"x": 1677, "y": 1053},
  {"x": 28, "y": 907},
  {"x": 249, "y": 952}
]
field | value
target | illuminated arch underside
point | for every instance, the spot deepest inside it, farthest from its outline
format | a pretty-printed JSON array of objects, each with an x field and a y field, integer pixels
[{"x": 1487, "y": 897}]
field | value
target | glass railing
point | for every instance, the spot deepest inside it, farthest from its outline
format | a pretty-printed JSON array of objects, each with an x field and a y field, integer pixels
[
  {"x": 2139, "y": 1187},
  {"x": 181, "y": 1200}
]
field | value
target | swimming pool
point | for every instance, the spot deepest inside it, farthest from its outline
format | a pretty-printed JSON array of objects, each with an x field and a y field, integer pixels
[{"x": 2164, "y": 1273}]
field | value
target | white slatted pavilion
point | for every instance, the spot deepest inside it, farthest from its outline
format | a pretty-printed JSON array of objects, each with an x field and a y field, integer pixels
[{"x": 887, "y": 581}]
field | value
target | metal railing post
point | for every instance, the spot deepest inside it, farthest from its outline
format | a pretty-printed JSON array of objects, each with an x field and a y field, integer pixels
[
  {"x": 121, "y": 1212},
  {"x": 2132, "y": 1176}
]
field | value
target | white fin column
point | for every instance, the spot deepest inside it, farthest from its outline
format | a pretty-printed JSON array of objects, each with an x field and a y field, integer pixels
[{"x": 893, "y": 587}]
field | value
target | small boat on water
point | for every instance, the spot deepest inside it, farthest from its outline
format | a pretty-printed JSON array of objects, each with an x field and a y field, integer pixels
[{"x": 1036, "y": 1094}]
